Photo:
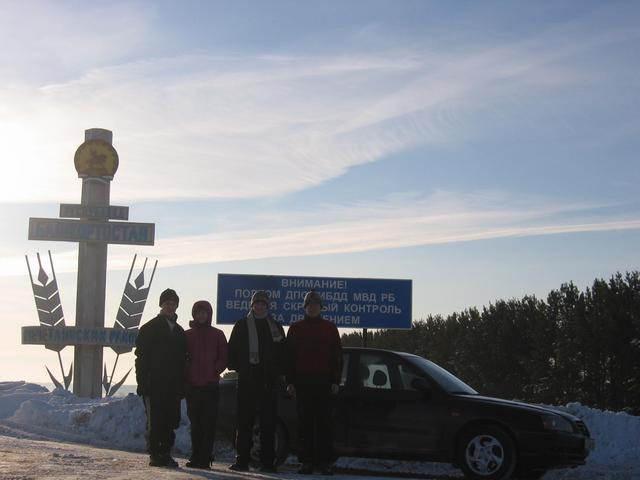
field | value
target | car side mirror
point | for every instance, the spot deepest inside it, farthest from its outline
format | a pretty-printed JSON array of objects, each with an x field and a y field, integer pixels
[{"x": 421, "y": 384}]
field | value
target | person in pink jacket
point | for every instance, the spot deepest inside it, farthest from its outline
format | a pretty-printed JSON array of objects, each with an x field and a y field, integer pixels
[{"x": 206, "y": 360}]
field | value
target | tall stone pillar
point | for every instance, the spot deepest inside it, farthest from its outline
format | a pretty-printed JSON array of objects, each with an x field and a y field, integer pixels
[{"x": 92, "y": 280}]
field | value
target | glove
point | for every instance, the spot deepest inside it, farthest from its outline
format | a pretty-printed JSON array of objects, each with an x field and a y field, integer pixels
[
  {"x": 334, "y": 389},
  {"x": 291, "y": 390}
]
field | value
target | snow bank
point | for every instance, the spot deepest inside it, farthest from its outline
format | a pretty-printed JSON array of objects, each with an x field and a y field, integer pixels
[
  {"x": 617, "y": 435},
  {"x": 13, "y": 394},
  {"x": 117, "y": 422}
]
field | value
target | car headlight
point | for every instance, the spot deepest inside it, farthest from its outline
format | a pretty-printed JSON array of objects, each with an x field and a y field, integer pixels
[{"x": 551, "y": 421}]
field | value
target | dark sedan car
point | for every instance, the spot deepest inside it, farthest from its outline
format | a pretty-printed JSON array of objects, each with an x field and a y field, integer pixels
[{"x": 402, "y": 406}]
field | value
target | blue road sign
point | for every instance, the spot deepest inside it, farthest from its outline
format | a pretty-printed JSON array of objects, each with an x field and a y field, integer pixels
[
  {"x": 127, "y": 233},
  {"x": 348, "y": 302}
]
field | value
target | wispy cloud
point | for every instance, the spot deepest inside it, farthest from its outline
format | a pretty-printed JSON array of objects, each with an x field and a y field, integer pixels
[
  {"x": 198, "y": 126},
  {"x": 394, "y": 222}
]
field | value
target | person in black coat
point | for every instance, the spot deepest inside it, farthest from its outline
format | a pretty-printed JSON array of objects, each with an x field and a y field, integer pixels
[
  {"x": 257, "y": 352},
  {"x": 161, "y": 350}
]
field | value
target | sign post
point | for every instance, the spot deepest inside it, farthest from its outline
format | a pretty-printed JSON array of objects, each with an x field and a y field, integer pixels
[{"x": 96, "y": 162}]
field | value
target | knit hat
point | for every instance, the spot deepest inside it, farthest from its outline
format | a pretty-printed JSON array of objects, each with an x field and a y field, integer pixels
[
  {"x": 312, "y": 297},
  {"x": 260, "y": 296},
  {"x": 169, "y": 294}
]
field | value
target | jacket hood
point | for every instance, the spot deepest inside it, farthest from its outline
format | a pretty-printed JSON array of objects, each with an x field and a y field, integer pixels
[{"x": 201, "y": 305}]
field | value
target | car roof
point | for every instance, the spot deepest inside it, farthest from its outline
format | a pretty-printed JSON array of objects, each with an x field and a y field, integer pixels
[{"x": 371, "y": 349}]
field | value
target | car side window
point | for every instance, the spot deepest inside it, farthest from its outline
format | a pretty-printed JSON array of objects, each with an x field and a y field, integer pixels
[
  {"x": 385, "y": 372},
  {"x": 373, "y": 372},
  {"x": 407, "y": 376}
]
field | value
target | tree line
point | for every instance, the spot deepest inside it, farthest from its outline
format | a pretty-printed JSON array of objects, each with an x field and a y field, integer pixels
[{"x": 576, "y": 345}]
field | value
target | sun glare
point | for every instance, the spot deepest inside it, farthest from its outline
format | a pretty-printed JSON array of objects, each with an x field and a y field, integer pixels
[{"x": 29, "y": 172}]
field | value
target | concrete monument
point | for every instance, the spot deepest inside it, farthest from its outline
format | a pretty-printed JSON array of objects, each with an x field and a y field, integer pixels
[{"x": 96, "y": 162}]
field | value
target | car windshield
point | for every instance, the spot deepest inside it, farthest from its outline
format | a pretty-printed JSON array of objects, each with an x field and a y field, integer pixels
[{"x": 446, "y": 380}]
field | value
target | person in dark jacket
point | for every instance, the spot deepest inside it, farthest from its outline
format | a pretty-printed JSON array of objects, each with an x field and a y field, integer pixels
[
  {"x": 313, "y": 377},
  {"x": 161, "y": 349},
  {"x": 257, "y": 352},
  {"x": 206, "y": 360}
]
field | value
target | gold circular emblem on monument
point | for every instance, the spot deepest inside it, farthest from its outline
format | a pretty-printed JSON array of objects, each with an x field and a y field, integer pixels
[{"x": 96, "y": 158}]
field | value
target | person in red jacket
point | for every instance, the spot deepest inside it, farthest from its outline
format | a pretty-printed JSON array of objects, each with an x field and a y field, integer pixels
[
  {"x": 313, "y": 377},
  {"x": 206, "y": 360}
]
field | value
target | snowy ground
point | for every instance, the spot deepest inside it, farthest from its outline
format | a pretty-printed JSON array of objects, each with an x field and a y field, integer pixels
[{"x": 40, "y": 432}]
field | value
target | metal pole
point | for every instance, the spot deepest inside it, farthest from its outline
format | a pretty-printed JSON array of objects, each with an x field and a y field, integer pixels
[{"x": 92, "y": 279}]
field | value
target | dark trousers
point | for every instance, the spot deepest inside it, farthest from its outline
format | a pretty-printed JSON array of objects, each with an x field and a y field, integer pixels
[
  {"x": 254, "y": 397},
  {"x": 315, "y": 436},
  {"x": 202, "y": 410},
  {"x": 163, "y": 417}
]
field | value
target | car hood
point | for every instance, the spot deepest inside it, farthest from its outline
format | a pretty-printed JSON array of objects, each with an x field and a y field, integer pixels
[{"x": 511, "y": 403}]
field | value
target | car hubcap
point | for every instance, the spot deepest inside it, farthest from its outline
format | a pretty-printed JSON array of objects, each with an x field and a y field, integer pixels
[{"x": 484, "y": 454}]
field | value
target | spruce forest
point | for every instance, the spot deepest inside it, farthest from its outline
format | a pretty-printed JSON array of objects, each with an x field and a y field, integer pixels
[{"x": 575, "y": 346}]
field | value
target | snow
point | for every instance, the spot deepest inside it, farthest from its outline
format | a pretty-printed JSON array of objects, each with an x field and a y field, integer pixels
[
  {"x": 617, "y": 436},
  {"x": 31, "y": 412}
]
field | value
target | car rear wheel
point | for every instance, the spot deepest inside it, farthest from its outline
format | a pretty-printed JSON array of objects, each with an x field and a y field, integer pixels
[
  {"x": 282, "y": 445},
  {"x": 486, "y": 452}
]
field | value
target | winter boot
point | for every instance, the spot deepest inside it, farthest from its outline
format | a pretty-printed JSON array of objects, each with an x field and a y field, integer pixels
[
  {"x": 239, "y": 466},
  {"x": 168, "y": 461}
]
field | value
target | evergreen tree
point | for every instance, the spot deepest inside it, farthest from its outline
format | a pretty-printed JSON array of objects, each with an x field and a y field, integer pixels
[{"x": 576, "y": 346}]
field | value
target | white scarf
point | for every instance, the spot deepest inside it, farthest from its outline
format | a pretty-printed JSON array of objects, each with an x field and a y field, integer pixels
[{"x": 254, "y": 347}]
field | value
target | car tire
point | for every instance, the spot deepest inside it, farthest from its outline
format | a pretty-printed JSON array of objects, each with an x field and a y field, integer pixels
[
  {"x": 282, "y": 445},
  {"x": 486, "y": 452}
]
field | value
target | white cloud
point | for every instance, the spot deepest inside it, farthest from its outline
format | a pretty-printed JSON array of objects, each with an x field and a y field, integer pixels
[
  {"x": 212, "y": 125},
  {"x": 392, "y": 223},
  {"x": 197, "y": 126},
  {"x": 397, "y": 221}
]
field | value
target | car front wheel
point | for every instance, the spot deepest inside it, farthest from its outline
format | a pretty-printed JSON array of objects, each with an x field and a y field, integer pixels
[{"x": 486, "y": 452}]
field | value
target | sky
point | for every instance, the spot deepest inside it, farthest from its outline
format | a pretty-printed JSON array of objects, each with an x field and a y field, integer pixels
[{"x": 484, "y": 150}]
